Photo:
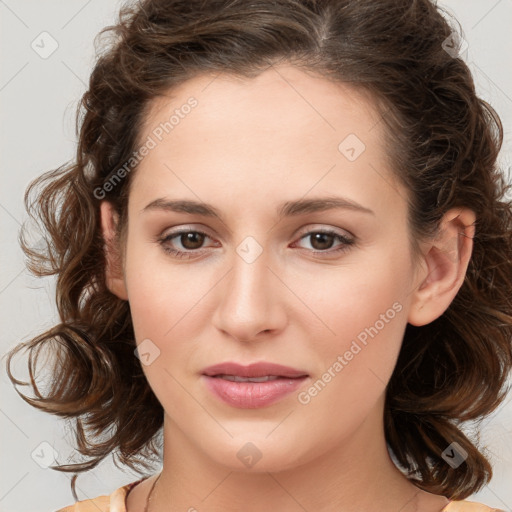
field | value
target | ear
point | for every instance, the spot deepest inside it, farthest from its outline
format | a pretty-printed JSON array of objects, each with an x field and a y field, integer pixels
[
  {"x": 444, "y": 264},
  {"x": 114, "y": 275}
]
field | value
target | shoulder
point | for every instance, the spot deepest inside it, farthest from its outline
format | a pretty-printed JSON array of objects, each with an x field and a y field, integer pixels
[
  {"x": 99, "y": 504},
  {"x": 469, "y": 506},
  {"x": 115, "y": 502}
]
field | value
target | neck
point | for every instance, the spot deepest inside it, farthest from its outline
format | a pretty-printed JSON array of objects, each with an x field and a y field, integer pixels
[{"x": 356, "y": 476}]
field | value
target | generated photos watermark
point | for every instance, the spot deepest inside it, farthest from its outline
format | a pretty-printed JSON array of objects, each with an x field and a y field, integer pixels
[
  {"x": 356, "y": 346},
  {"x": 150, "y": 143}
]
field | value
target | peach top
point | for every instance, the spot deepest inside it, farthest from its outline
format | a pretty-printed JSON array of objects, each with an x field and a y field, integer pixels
[{"x": 116, "y": 502}]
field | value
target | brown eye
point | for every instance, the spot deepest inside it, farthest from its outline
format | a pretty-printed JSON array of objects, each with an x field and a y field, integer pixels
[
  {"x": 192, "y": 240},
  {"x": 183, "y": 244},
  {"x": 188, "y": 243},
  {"x": 321, "y": 241}
]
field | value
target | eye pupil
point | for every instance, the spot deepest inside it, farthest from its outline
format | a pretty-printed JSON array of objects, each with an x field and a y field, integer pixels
[
  {"x": 195, "y": 238},
  {"x": 321, "y": 237}
]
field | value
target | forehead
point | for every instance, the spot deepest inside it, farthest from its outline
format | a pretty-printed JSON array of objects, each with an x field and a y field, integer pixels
[
  {"x": 283, "y": 130},
  {"x": 282, "y": 95}
]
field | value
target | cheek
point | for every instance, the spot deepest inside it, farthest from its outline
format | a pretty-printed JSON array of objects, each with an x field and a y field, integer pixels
[
  {"x": 167, "y": 307},
  {"x": 162, "y": 310},
  {"x": 158, "y": 292},
  {"x": 363, "y": 318},
  {"x": 349, "y": 301},
  {"x": 357, "y": 359}
]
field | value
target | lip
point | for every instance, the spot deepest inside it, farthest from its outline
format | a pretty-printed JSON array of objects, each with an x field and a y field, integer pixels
[
  {"x": 260, "y": 369},
  {"x": 252, "y": 395}
]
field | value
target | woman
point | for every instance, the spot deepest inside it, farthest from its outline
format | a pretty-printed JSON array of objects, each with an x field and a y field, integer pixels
[{"x": 284, "y": 246}]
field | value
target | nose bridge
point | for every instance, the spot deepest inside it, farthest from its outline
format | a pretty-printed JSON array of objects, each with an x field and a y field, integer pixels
[{"x": 250, "y": 299}]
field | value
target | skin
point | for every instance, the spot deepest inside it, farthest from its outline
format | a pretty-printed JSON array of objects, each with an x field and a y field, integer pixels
[{"x": 290, "y": 306}]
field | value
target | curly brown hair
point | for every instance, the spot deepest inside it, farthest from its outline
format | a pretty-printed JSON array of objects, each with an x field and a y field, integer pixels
[{"x": 443, "y": 142}]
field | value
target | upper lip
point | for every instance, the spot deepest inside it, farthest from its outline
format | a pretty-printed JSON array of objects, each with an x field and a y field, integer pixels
[{"x": 260, "y": 369}]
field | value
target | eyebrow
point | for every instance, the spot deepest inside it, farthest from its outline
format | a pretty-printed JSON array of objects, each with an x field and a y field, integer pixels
[{"x": 286, "y": 209}]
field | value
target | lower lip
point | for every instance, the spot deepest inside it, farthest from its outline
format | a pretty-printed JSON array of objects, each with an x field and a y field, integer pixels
[{"x": 252, "y": 395}]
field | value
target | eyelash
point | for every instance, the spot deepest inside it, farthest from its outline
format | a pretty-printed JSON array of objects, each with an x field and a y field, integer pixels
[{"x": 345, "y": 242}]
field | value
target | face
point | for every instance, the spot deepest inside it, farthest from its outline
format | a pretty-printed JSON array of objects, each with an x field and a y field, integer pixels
[{"x": 324, "y": 291}]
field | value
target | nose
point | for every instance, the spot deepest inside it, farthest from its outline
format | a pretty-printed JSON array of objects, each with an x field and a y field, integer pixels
[{"x": 250, "y": 304}]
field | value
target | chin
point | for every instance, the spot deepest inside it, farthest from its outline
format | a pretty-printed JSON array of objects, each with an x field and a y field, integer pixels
[{"x": 257, "y": 454}]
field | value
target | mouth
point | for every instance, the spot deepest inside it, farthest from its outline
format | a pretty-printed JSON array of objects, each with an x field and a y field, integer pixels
[
  {"x": 261, "y": 370},
  {"x": 237, "y": 378},
  {"x": 254, "y": 386}
]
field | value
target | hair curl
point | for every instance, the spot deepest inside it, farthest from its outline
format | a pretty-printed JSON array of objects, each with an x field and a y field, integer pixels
[{"x": 443, "y": 143}]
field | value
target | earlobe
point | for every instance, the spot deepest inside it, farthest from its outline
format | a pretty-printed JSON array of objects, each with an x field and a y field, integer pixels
[
  {"x": 114, "y": 276},
  {"x": 444, "y": 266}
]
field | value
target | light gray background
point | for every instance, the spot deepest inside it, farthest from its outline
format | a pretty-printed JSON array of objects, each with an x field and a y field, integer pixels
[{"x": 38, "y": 98}]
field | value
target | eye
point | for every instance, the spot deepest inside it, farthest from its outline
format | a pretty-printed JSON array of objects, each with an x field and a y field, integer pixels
[
  {"x": 191, "y": 242},
  {"x": 321, "y": 240}
]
